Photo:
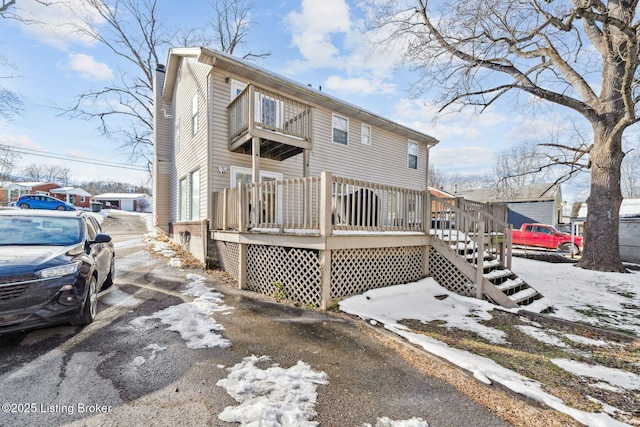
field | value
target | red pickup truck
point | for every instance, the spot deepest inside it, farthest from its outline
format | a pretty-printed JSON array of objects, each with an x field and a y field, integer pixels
[{"x": 545, "y": 236}]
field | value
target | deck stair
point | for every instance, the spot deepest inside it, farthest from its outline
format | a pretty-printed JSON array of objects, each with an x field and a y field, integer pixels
[{"x": 468, "y": 246}]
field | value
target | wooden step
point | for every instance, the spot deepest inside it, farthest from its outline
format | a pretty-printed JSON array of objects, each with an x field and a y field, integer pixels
[
  {"x": 523, "y": 295},
  {"x": 511, "y": 284},
  {"x": 498, "y": 274},
  {"x": 491, "y": 263}
]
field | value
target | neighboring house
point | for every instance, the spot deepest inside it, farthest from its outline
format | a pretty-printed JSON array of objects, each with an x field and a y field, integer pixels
[
  {"x": 131, "y": 202},
  {"x": 218, "y": 119},
  {"x": 11, "y": 191},
  {"x": 538, "y": 203},
  {"x": 628, "y": 229},
  {"x": 76, "y": 196}
]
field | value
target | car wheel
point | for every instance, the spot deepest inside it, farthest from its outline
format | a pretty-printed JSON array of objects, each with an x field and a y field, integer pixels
[
  {"x": 24, "y": 206},
  {"x": 90, "y": 309},
  {"x": 60, "y": 208},
  {"x": 570, "y": 248},
  {"x": 112, "y": 273}
]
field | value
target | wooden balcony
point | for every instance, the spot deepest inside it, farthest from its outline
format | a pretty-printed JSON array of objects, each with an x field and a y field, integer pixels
[{"x": 283, "y": 124}]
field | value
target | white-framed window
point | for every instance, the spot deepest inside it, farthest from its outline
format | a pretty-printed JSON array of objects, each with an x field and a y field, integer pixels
[
  {"x": 268, "y": 111},
  {"x": 177, "y": 134},
  {"x": 412, "y": 155},
  {"x": 182, "y": 199},
  {"x": 236, "y": 88},
  {"x": 340, "y": 134},
  {"x": 82, "y": 199},
  {"x": 366, "y": 134},
  {"x": 194, "y": 195},
  {"x": 194, "y": 114}
]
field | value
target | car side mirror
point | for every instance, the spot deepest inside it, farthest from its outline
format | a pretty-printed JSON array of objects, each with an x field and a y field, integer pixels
[{"x": 101, "y": 238}]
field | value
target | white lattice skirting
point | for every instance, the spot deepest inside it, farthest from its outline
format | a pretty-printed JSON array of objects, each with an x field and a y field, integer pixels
[
  {"x": 298, "y": 270},
  {"x": 228, "y": 256},
  {"x": 353, "y": 271},
  {"x": 447, "y": 275}
]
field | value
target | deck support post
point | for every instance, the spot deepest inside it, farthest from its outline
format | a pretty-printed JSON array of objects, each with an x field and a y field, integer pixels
[
  {"x": 255, "y": 179},
  {"x": 242, "y": 265},
  {"x": 325, "y": 203},
  {"x": 305, "y": 163},
  {"x": 325, "y": 279},
  {"x": 426, "y": 227},
  {"x": 480, "y": 259}
]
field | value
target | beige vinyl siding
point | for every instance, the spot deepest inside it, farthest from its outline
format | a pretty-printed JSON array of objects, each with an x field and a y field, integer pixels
[
  {"x": 162, "y": 153},
  {"x": 193, "y": 154},
  {"x": 221, "y": 156},
  {"x": 384, "y": 161}
]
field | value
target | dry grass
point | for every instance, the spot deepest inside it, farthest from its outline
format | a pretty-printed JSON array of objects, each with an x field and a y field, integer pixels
[{"x": 532, "y": 358}]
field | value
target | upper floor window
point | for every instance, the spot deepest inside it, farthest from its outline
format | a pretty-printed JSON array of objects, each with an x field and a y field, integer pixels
[
  {"x": 366, "y": 134},
  {"x": 194, "y": 114},
  {"x": 412, "y": 155},
  {"x": 236, "y": 88},
  {"x": 340, "y": 130}
]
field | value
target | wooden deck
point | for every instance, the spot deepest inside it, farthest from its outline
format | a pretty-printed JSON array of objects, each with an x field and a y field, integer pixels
[{"x": 324, "y": 238}]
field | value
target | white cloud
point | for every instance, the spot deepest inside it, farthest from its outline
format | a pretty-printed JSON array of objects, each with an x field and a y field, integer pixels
[
  {"x": 57, "y": 24},
  {"x": 313, "y": 27},
  {"x": 89, "y": 68},
  {"x": 20, "y": 141},
  {"x": 359, "y": 85}
]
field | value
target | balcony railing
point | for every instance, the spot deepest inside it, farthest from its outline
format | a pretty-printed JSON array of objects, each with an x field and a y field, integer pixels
[{"x": 257, "y": 108}]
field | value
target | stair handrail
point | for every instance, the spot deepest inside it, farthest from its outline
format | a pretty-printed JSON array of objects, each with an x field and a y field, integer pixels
[
  {"x": 501, "y": 231},
  {"x": 454, "y": 228}
]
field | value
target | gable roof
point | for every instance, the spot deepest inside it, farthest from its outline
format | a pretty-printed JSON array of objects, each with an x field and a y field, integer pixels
[
  {"x": 283, "y": 84},
  {"x": 70, "y": 190},
  {"x": 525, "y": 193}
]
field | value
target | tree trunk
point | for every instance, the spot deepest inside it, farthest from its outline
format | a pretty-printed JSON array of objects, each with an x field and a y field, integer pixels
[{"x": 601, "y": 246}]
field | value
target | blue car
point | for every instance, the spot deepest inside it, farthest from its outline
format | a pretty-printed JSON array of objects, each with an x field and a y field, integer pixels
[{"x": 38, "y": 201}]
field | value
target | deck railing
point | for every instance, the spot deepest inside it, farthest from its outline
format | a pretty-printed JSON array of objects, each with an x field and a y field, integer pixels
[
  {"x": 324, "y": 204},
  {"x": 263, "y": 108}
]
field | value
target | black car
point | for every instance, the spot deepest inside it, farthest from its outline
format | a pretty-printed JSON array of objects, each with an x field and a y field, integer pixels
[{"x": 52, "y": 266}]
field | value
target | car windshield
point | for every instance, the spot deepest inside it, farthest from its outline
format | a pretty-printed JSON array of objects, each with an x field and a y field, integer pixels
[{"x": 34, "y": 230}]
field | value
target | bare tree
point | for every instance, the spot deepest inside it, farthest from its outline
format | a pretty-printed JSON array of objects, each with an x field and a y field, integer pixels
[
  {"x": 135, "y": 32},
  {"x": 132, "y": 30},
  {"x": 7, "y": 9},
  {"x": 582, "y": 55},
  {"x": 630, "y": 174},
  {"x": 453, "y": 183},
  {"x": 10, "y": 102},
  {"x": 47, "y": 173},
  {"x": 520, "y": 165},
  {"x": 8, "y": 162},
  {"x": 227, "y": 31}
]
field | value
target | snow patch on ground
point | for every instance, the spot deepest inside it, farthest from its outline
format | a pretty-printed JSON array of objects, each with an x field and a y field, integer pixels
[
  {"x": 612, "y": 377},
  {"x": 191, "y": 319},
  {"x": 274, "y": 396},
  {"x": 387, "y": 422}
]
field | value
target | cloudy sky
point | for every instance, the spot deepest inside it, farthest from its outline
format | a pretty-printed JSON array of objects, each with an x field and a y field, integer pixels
[{"x": 321, "y": 43}]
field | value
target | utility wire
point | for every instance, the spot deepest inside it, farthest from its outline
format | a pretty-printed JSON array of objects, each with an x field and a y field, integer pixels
[{"x": 78, "y": 159}]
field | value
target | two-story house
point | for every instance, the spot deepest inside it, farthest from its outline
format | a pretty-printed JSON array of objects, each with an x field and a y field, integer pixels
[{"x": 287, "y": 187}]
